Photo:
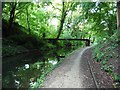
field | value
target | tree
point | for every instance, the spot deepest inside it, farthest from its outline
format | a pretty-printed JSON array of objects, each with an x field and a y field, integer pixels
[
  {"x": 12, "y": 13},
  {"x": 28, "y": 20},
  {"x": 62, "y": 19},
  {"x": 66, "y": 7},
  {"x": 101, "y": 16},
  {"x": 118, "y": 14}
]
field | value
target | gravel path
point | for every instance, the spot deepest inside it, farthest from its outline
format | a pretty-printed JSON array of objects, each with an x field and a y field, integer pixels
[{"x": 71, "y": 74}]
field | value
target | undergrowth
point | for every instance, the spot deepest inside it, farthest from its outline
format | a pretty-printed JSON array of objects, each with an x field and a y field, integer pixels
[
  {"x": 41, "y": 79},
  {"x": 10, "y": 48},
  {"x": 105, "y": 51}
]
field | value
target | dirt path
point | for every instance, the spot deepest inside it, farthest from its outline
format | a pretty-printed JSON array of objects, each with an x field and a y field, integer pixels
[{"x": 71, "y": 74}]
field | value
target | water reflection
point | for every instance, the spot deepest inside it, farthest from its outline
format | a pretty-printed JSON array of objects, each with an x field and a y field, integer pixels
[{"x": 22, "y": 71}]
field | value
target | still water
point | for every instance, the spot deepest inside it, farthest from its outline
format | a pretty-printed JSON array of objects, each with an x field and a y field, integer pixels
[{"x": 21, "y": 71}]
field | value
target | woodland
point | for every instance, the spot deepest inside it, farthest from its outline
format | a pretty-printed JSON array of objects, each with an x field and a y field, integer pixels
[{"x": 57, "y": 28}]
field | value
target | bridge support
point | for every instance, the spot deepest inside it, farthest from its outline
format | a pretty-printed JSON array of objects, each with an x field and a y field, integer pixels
[{"x": 87, "y": 43}]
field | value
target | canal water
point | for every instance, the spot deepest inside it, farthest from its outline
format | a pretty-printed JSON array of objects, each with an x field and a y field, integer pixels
[{"x": 23, "y": 70}]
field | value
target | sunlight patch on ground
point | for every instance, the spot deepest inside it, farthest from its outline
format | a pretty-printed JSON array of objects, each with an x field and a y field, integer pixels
[{"x": 53, "y": 62}]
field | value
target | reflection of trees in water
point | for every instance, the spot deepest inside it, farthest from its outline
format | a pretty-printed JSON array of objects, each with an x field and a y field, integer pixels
[{"x": 26, "y": 68}]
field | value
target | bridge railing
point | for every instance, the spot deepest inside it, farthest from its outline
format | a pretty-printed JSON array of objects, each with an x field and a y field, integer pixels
[{"x": 87, "y": 41}]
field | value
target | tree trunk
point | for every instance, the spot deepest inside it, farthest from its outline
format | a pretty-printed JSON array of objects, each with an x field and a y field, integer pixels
[
  {"x": 61, "y": 21},
  {"x": 28, "y": 20},
  {"x": 118, "y": 14},
  {"x": 12, "y": 14}
]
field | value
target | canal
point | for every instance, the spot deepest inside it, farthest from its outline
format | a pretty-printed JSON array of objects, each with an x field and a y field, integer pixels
[{"x": 24, "y": 70}]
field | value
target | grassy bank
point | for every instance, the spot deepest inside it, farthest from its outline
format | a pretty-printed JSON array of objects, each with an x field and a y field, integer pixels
[{"x": 107, "y": 54}]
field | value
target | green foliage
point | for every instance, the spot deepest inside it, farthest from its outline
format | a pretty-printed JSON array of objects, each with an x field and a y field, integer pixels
[
  {"x": 105, "y": 51},
  {"x": 8, "y": 51},
  {"x": 37, "y": 17},
  {"x": 28, "y": 41},
  {"x": 81, "y": 21},
  {"x": 100, "y": 16},
  {"x": 104, "y": 62},
  {"x": 51, "y": 46},
  {"x": 86, "y": 20},
  {"x": 10, "y": 48},
  {"x": 41, "y": 79},
  {"x": 116, "y": 77},
  {"x": 116, "y": 38},
  {"x": 107, "y": 68},
  {"x": 99, "y": 56}
]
